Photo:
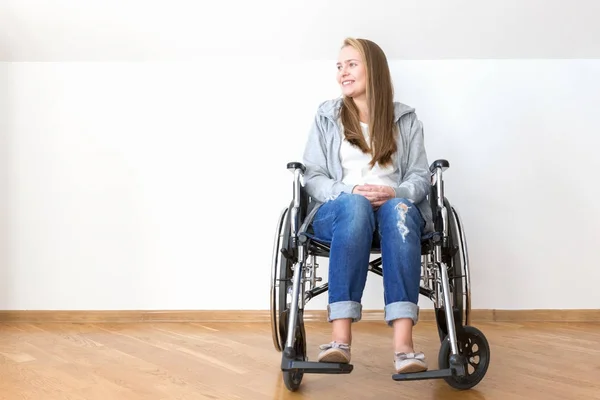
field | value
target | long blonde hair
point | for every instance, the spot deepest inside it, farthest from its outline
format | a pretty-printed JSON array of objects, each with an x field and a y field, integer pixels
[{"x": 380, "y": 100}]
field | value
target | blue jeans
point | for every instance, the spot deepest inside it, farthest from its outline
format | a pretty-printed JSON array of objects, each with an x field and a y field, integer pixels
[{"x": 348, "y": 224}]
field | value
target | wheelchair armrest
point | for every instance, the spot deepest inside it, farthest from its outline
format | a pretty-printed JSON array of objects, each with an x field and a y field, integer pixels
[
  {"x": 443, "y": 164},
  {"x": 296, "y": 165}
]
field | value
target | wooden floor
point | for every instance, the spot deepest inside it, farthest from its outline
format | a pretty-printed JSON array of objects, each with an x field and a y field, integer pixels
[{"x": 237, "y": 361}]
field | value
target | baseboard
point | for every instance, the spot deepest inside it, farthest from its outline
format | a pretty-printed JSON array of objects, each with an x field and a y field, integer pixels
[{"x": 251, "y": 316}]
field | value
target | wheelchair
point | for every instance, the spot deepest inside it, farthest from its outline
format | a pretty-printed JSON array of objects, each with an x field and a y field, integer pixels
[{"x": 464, "y": 353}]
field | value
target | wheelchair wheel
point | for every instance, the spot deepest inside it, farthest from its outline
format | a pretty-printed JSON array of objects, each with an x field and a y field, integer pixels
[
  {"x": 281, "y": 288},
  {"x": 281, "y": 282},
  {"x": 293, "y": 379},
  {"x": 454, "y": 255},
  {"x": 465, "y": 273},
  {"x": 281, "y": 238},
  {"x": 473, "y": 345}
]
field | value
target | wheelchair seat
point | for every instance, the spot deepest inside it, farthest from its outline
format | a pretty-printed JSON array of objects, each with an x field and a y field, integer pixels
[{"x": 321, "y": 248}]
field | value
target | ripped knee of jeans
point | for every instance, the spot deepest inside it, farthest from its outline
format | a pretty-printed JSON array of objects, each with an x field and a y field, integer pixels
[{"x": 402, "y": 210}]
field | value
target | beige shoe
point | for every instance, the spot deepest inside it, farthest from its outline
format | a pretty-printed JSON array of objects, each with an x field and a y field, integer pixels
[
  {"x": 334, "y": 353},
  {"x": 407, "y": 363}
]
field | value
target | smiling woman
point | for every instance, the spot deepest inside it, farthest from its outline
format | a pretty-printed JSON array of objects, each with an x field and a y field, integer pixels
[{"x": 368, "y": 175}]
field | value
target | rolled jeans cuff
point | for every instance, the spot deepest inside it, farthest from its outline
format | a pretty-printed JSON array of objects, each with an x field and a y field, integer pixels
[
  {"x": 344, "y": 309},
  {"x": 401, "y": 309}
]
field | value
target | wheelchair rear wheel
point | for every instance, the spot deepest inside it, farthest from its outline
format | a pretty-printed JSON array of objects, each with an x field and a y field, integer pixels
[
  {"x": 281, "y": 240},
  {"x": 281, "y": 290},
  {"x": 455, "y": 256}
]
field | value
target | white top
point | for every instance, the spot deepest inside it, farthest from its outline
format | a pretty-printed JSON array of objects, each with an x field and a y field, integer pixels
[{"x": 355, "y": 165}]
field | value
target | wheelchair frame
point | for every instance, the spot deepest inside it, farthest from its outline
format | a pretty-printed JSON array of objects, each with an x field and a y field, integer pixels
[{"x": 445, "y": 280}]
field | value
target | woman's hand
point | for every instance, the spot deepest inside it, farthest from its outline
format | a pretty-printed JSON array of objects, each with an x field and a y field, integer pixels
[{"x": 376, "y": 194}]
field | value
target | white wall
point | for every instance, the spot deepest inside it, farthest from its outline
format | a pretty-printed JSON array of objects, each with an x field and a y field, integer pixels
[
  {"x": 134, "y": 30},
  {"x": 136, "y": 177}
]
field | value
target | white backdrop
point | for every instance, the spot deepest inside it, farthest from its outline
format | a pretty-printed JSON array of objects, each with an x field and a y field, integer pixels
[
  {"x": 132, "y": 185},
  {"x": 139, "y": 178}
]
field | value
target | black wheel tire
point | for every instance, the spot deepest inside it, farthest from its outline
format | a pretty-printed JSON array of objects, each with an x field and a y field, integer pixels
[
  {"x": 285, "y": 280},
  {"x": 455, "y": 278},
  {"x": 275, "y": 311},
  {"x": 472, "y": 344},
  {"x": 293, "y": 379}
]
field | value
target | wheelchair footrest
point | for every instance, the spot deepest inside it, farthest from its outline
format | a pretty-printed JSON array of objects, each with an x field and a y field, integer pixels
[
  {"x": 309, "y": 367},
  {"x": 434, "y": 374}
]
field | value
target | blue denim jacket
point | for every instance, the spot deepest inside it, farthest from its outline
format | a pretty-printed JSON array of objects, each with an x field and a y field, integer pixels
[{"x": 323, "y": 176}]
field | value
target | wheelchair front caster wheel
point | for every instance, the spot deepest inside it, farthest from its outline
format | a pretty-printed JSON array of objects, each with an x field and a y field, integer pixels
[
  {"x": 475, "y": 351},
  {"x": 292, "y": 379}
]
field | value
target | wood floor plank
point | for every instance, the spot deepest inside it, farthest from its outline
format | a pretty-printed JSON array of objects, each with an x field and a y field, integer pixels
[{"x": 236, "y": 360}]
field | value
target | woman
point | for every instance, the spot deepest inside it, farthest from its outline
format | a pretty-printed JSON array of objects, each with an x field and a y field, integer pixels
[{"x": 367, "y": 172}]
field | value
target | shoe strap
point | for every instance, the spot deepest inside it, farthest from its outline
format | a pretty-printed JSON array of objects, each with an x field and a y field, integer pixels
[
  {"x": 334, "y": 345},
  {"x": 409, "y": 356}
]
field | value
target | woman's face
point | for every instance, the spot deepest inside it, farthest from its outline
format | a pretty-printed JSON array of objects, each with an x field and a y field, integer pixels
[{"x": 351, "y": 75}]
